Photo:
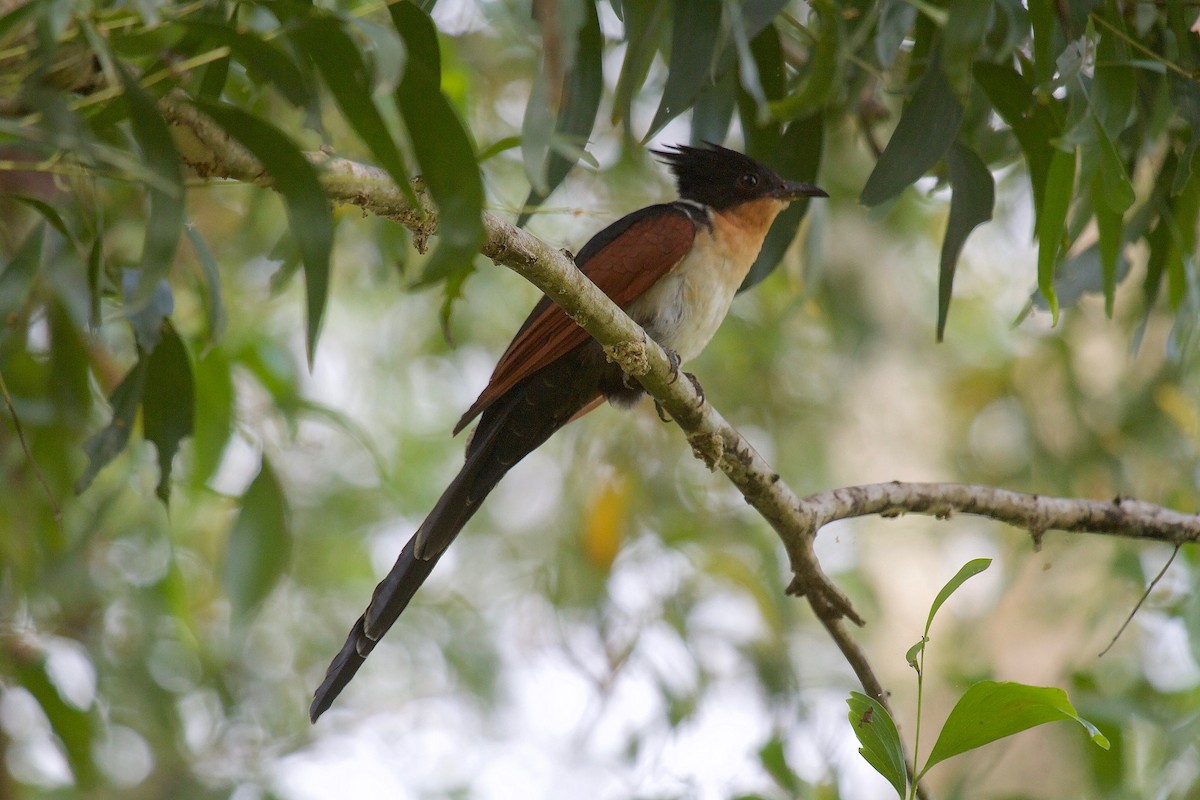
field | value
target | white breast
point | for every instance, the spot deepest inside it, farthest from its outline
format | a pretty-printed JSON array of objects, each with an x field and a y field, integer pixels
[{"x": 684, "y": 309}]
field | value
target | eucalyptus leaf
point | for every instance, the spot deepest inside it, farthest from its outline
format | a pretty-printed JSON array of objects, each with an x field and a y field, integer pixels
[
  {"x": 309, "y": 216},
  {"x": 164, "y": 225},
  {"x": 925, "y": 132},
  {"x": 695, "y": 30},
  {"x": 444, "y": 149},
  {"x": 1052, "y": 221},
  {"x": 582, "y": 88},
  {"x": 971, "y": 202},
  {"x": 168, "y": 403},
  {"x": 260, "y": 544}
]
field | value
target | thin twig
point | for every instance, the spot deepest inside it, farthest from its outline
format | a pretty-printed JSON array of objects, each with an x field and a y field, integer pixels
[
  {"x": 858, "y": 662},
  {"x": 37, "y": 471},
  {"x": 1141, "y": 600}
]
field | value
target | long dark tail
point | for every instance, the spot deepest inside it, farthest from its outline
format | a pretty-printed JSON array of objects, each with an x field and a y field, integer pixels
[{"x": 511, "y": 429}]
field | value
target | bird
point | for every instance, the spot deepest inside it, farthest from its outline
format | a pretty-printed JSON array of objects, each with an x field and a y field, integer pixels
[{"x": 674, "y": 268}]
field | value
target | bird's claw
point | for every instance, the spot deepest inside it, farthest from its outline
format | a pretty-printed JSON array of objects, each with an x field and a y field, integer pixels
[
  {"x": 673, "y": 360},
  {"x": 696, "y": 385},
  {"x": 662, "y": 412}
]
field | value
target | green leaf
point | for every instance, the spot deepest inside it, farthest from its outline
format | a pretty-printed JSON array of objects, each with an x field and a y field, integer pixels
[
  {"x": 340, "y": 63},
  {"x": 309, "y": 216},
  {"x": 914, "y": 652},
  {"x": 105, "y": 445},
  {"x": 168, "y": 403},
  {"x": 821, "y": 81},
  {"x": 880, "y": 740},
  {"x": 713, "y": 110},
  {"x": 259, "y": 546},
  {"x": 990, "y": 710},
  {"x": 47, "y": 211},
  {"x": 971, "y": 201},
  {"x": 1083, "y": 273},
  {"x": 1033, "y": 123},
  {"x": 73, "y": 726},
  {"x": 925, "y": 132},
  {"x": 442, "y": 145},
  {"x": 774, "y": 761},
  {"x": 164, "y": 225},
  {"x": 645, "y": 29},
  {"x": 262, "y": 59},
  {"x": 695, "y": 29},
  {"x": 16, "y": 279},
  {"x": 212, "y": 283},
  {"x": 962, "y": 38},
  {"x": 968, "y": 571},
  {"x": 1109, "y": 225},
  {"x": 214, "y": 414},
  {"x": 797, "y": 157},
  {"x": 147, "y": 320},
  {"x": 896, "y": 19},
  {"x": 582, "y": 88},
  {"x": 1052, "y": 221},
  {"x": 1118, "y": 190}
]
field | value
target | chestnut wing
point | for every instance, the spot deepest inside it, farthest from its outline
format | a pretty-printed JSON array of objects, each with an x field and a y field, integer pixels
[{"x": 624, "y": 260}]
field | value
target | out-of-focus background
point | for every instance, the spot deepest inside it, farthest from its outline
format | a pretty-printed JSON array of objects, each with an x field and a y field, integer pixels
[{"x": 613, "y": 623}]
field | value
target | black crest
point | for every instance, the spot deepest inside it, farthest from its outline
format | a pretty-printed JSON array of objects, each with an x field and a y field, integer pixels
[{"x": 717, "y": 176}]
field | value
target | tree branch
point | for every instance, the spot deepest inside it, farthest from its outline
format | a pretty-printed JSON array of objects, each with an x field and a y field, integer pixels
[
  {"x": 211, "y": 153},
  {"x": 1131, "y": 519}
]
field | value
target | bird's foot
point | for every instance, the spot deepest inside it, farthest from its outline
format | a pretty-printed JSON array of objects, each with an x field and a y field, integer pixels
[
  {"x": 662, "y": 412},
  {"x": 673, "y": 360},
  {"x": 696, "y": 385}
]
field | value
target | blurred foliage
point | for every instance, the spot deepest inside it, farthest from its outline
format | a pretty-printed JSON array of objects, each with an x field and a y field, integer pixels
[{"x": 624, "y": 631}]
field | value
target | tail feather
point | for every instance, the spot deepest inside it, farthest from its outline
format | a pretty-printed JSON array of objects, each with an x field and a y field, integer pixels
[{"x": 511, "y": 429}]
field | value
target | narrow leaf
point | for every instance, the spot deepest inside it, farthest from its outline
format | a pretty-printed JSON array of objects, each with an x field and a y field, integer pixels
[
  {"x": 168, "y": 403},
  {"x": 214, "y": 414},
  {"x": 212, "y": 283},
  {"x": 713, "y": 111},
  {"x": 260, "y": 544},
  {"x": 581, "y": 92},
  {"x": 74, "y": 727},
  {"x": 925, "y": 132},
  {"x": 968, "y": 571},
  {"x": 896, "y": 19},
  {"x": 645, "y": 29},
  {"x": 443, "y": 148},
  {"x": 309, "y": 216},
  {"x": 147, "y": 319},
  {"x": 880, "y": 740},
  {"x": 342, "y": 67},
  {"x": 1052, "y": 221},
  {"x": 105, "y": 445},
  {"x": 164, "y": 225},
  {"x": 695, "y": 29},
  {"x": 798, "y": 158},
  {"x": 821, "y": 81},
  {"x": 1032, "y": 122},
  {"x": 966, "y": 27},
  {"x": 262, "y": 59},
  {"x": 971, "y": 202},
  {"x": 17, "y": 276},
  {"x": 774, "y": 760},
  {"x": 1109, "y": 226},
  {"x": 989, "y": 711}
]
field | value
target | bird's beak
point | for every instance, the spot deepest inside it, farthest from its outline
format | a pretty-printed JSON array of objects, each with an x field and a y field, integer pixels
[{"x": 794, "y": 190}]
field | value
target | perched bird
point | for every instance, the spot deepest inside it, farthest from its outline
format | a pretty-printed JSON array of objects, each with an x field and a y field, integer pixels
[{"x": 674, "y": 268}]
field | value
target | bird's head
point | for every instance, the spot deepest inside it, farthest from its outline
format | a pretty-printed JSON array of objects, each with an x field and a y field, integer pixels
[{"x": 722, "y": 178}]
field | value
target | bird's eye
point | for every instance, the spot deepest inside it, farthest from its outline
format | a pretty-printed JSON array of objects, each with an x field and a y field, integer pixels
[{"x": 748, "y": 181}]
